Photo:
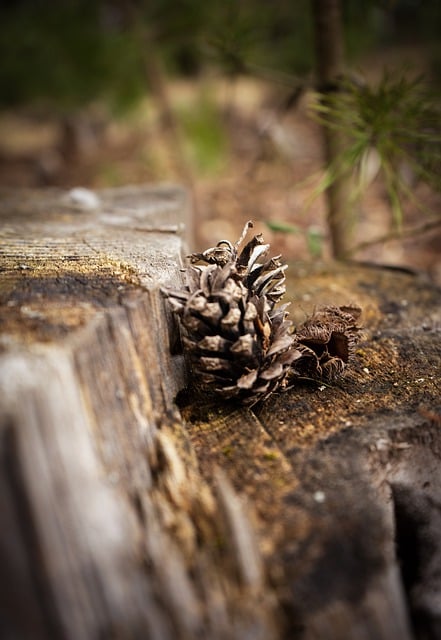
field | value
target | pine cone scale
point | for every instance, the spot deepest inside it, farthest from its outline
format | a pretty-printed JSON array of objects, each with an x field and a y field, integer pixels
[{"x": 247, "y": 380}]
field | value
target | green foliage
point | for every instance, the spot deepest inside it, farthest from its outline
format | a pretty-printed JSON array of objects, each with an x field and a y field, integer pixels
[
  {"x": 176, "y": 28},
  {"x": 66, "y": 53},
  {"x": 76, "y": 51},
  {"x": 399, "y": 119},
  {"x": 313, "y": 235},
  {"x": 204, "y": 136},
  {"x": 244, "y": 36},
  {"x": 282, "y": 227},
  {"x": 71, "y": 52},
  {"x": 314, "y": 241}
]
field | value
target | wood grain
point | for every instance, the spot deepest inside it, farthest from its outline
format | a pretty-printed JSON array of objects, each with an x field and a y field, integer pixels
[
  {"x": 134, "y": 506},
  {"x": 326, "y": 516}
]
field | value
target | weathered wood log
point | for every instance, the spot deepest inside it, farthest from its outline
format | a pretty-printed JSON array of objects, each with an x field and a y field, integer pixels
[
  {"x": 131, "y": 510},
  {"x": 323, "y": 466}
]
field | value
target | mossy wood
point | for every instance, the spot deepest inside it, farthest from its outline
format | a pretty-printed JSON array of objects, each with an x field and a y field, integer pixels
[{"x": 133, "y": 508}]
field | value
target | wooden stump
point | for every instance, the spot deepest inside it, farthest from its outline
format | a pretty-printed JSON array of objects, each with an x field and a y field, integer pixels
[{"x": 314, "y": 515}]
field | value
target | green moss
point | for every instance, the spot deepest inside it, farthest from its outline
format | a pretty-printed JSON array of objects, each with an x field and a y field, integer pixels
[
  {"x": 227, "y": 451},
  {"x": 271, "y": 455}
]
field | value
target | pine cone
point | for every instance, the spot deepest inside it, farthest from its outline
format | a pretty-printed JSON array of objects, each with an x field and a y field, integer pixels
[
  {"x": 327, "y": 342},
  {"x": 238, "y": 341}
]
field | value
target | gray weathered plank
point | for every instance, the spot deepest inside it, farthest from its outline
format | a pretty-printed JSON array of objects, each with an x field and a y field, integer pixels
[{"x": 108, "y": 529}]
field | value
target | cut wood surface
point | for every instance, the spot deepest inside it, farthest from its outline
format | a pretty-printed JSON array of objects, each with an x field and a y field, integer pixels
[{"x": 134, "y": 507}]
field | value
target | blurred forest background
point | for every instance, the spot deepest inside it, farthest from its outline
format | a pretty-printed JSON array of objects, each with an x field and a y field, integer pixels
[{"x": 223, "y": 97}]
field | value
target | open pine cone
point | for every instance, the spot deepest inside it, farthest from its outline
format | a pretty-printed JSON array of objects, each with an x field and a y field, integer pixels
[
  {"x": 327, "y": 341},
  {"x": 240, "y": 343}
]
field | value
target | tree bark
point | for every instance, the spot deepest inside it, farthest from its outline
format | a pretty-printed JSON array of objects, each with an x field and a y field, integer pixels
[{"x": 330, "y": 63}]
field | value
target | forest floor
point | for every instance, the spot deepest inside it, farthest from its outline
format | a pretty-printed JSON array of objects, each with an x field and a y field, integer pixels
[{"x": 241, "y": 153}]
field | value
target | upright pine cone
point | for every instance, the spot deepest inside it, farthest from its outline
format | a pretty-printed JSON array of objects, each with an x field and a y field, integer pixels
[{"x": 238, "y": 340}]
